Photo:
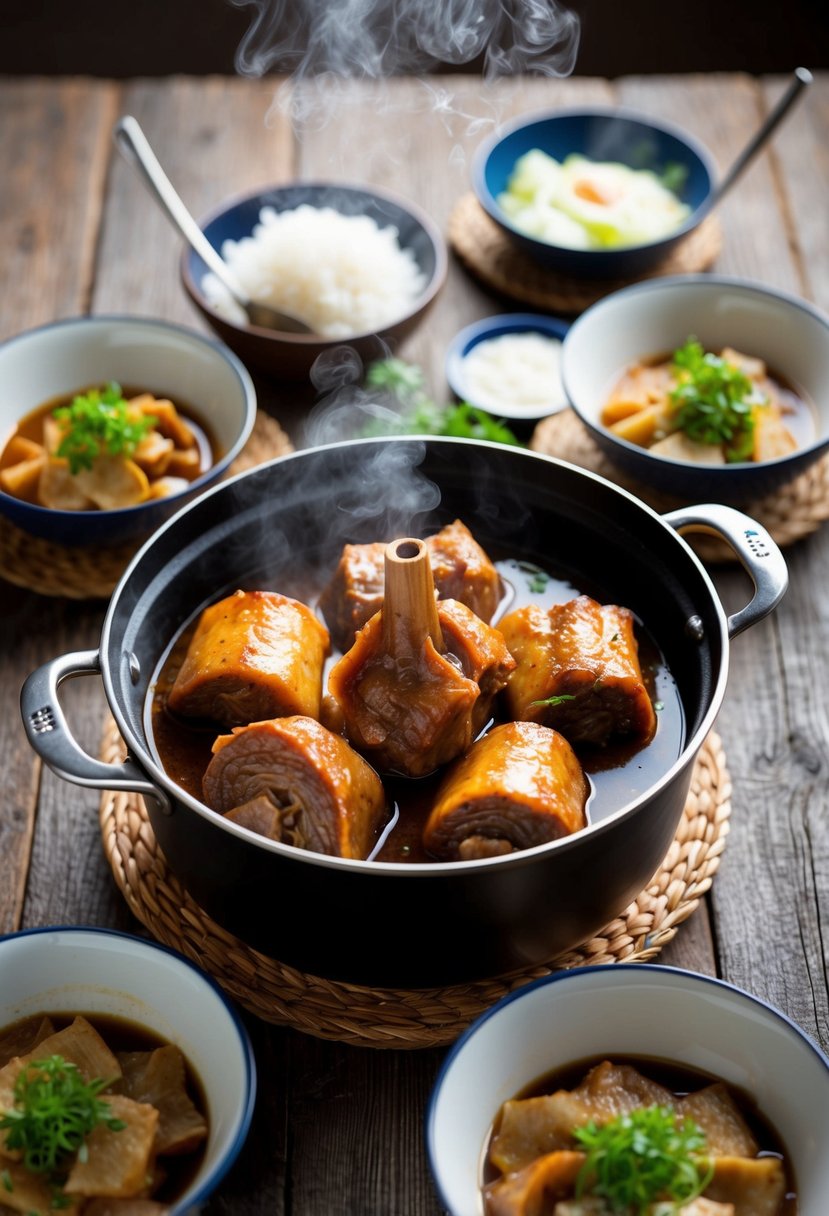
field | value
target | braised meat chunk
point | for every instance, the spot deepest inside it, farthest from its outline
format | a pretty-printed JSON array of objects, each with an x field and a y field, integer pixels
[
  {"x": 460, "y": 567},
  {"x": 518, "y": 786},
  {"x": 417, "y": 685},
  {"x": 254, "y": 655},
  {"x": 578, "y": 671},
  {"x": 294, "y": 781}
]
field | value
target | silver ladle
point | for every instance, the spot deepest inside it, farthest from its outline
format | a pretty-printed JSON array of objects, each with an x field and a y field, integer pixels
[
  {"x": 133, "y": 143},
  {"x": 802, "y": 78}
]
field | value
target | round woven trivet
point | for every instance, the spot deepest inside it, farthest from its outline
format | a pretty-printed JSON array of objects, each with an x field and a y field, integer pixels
[
  {"x": 91, "y": 572},
  {"x": 793, "y": 512},
  {"x": 391, "y": 1017},
  {"x": 488, "y": 253}
]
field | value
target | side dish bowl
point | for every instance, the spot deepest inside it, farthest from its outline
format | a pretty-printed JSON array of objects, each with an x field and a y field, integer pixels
[
  {"x": 289, "y": 355},
  {"x": 71, "y": 970},
  {"x": 603, "y": 134},
  {"x": 527, "y": 408},
  {"x": 138, "y": 353},
  {"x": 650, "y": 320},
  {"x": 608, "y": 1012},
  {"x": 411, "y": 925}
]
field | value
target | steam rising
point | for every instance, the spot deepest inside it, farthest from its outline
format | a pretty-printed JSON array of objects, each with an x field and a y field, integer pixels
[{"x": 372, "y": 39}]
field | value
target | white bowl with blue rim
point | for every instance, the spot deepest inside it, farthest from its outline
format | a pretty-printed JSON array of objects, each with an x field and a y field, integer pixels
[
  {"x": 67, "y": 969},
  {"x": 651, "y": 319},
  {"x": 633, "y": 1010},
  {"x": 507, "y": 393},
  {"x": 168, "y": 360}
]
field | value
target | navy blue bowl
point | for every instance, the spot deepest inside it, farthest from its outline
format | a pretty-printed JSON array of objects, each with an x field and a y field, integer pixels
[
  {"x": 495, "y": 327},
  {"x": 290, "y": 356},
  {"x": 602, "y": 133}
]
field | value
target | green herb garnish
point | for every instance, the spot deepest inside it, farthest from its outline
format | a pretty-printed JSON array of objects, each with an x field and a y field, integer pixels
[
  {"x": 714, "y": 400},
  {"x": 99, "y": 422},
  {"x": 54, "y": 1111},
  {"x": 417, "y": 414},
  {"x": 641, "y": 1158},
  {"x": 558, "y": 699}
]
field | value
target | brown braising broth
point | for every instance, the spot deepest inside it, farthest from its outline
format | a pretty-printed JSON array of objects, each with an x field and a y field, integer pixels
[
  {"x": 122, "y": 1034},
  {"x": 680, "y": 1080},
  {"x": 617, "y": 773}
]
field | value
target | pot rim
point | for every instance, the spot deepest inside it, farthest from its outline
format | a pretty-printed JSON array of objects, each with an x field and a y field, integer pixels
[{"x": 426, "y": 870}]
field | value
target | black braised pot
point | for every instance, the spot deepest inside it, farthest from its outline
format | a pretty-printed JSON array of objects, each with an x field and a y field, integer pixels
[{"x": 393, "y": 924}]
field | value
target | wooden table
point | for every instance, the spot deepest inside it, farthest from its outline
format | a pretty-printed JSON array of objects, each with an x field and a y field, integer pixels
[{"x": 338, "y": 1130}]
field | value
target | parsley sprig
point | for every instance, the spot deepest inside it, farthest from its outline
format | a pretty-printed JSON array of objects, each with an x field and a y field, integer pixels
[
  {"x": 54, "y": 1111},
  {"x": 99, "y": 422},
  {"x": 643, "y": 1157},
  {"x": 713, "y": 400},
  {"x": 417, "y": 414}
]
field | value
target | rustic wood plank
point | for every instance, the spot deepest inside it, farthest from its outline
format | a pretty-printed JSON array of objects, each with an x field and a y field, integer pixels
[
  {"x": 213, "y": 141},
  {"x": 53, "y": 158},
  {"x": 800, "y": 157},
  {"x": 723, "y": 112}
]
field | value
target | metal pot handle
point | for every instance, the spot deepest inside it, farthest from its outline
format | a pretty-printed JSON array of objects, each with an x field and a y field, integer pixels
[
  {"x": 49, "y": 734},
  {"x": 754, "y": 547}
]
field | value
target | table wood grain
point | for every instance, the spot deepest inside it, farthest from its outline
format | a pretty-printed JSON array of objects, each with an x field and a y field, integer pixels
[{"x": 338, "y": 1130}]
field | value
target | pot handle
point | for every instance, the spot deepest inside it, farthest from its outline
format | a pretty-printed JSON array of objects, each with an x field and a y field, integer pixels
[
  {"x": 49, "y": 734},
  {"x": 754, "y": 547}
]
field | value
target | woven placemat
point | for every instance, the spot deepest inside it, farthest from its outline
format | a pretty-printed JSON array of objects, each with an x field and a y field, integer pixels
[
  {"x": 489, "y": 254},
  {"x": 390, "y": 1017},
  {"x": 795, "y": 511},
  {"x": 91, "y": 572}
]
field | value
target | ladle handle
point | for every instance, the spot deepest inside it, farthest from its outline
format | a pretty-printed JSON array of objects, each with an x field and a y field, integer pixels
[
  {"x": 802, "y": 78},
  {"x": 133, "y": 143}
]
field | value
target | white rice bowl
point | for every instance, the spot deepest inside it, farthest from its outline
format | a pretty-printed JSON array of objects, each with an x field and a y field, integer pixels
[{"x": 342, "y": 275}]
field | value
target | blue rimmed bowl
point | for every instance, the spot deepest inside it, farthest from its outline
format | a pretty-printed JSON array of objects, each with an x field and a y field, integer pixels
[
  {"x": 601, "y": 133},
  {"x": 652, "y": 319},
  {"x": 78, "y": 969},
  {"x": 137, "y": 352},
  {"x": 507, "y": 324},
  {"x": 633, "y": 1010}
]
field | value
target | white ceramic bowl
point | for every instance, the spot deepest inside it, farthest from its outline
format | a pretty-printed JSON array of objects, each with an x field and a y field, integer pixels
[
  {"x": 619, "y": 1010},
  {"x": 87, "y": 970},
  {"x": 505, "y": 326},
  {"x": 654, "y": 318},
  {"x": 137, "y": 352}
]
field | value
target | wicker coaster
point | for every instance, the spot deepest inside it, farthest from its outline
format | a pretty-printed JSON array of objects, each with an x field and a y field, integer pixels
[
  {"x": 91, "y": 572},
  {"x": 397, "y": 1018},
  {"x": 489, "y": 254},
  {"x": 795, "y": 511}
]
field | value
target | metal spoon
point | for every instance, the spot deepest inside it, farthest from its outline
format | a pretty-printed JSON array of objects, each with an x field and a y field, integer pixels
[
  {"x": 133, "y": 143},
  {"x": 802, "y": 78}
]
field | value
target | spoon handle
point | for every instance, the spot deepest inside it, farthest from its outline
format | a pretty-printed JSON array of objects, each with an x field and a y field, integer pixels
[
  {"x": 133, "y": 143},
  {"x": 802, "y": 78}
]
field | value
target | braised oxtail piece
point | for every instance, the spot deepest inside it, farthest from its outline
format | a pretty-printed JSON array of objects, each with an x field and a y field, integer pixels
[
  {"x": 294, "y": 781},
  {"x": 461, "y": 569},
  {"x": 254, "y": 655},
  {"x": 419, "y": 681},
  {"x": 519, "y": 785},
  {"x": 578, "y": 671}
]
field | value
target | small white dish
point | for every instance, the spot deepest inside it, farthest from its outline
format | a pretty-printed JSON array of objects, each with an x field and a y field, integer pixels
[
  {"x": 65, "y": 969},
  {"x": 628, "y": 1010},
  {"x": 489, "y": 365}
]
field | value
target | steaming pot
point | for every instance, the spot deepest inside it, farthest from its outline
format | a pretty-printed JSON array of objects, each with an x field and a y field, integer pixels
[{"x": 392, "y": 924}]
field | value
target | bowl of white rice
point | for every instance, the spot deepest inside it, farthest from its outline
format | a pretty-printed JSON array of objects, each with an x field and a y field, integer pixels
[{"x": 359, "y": 266}]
